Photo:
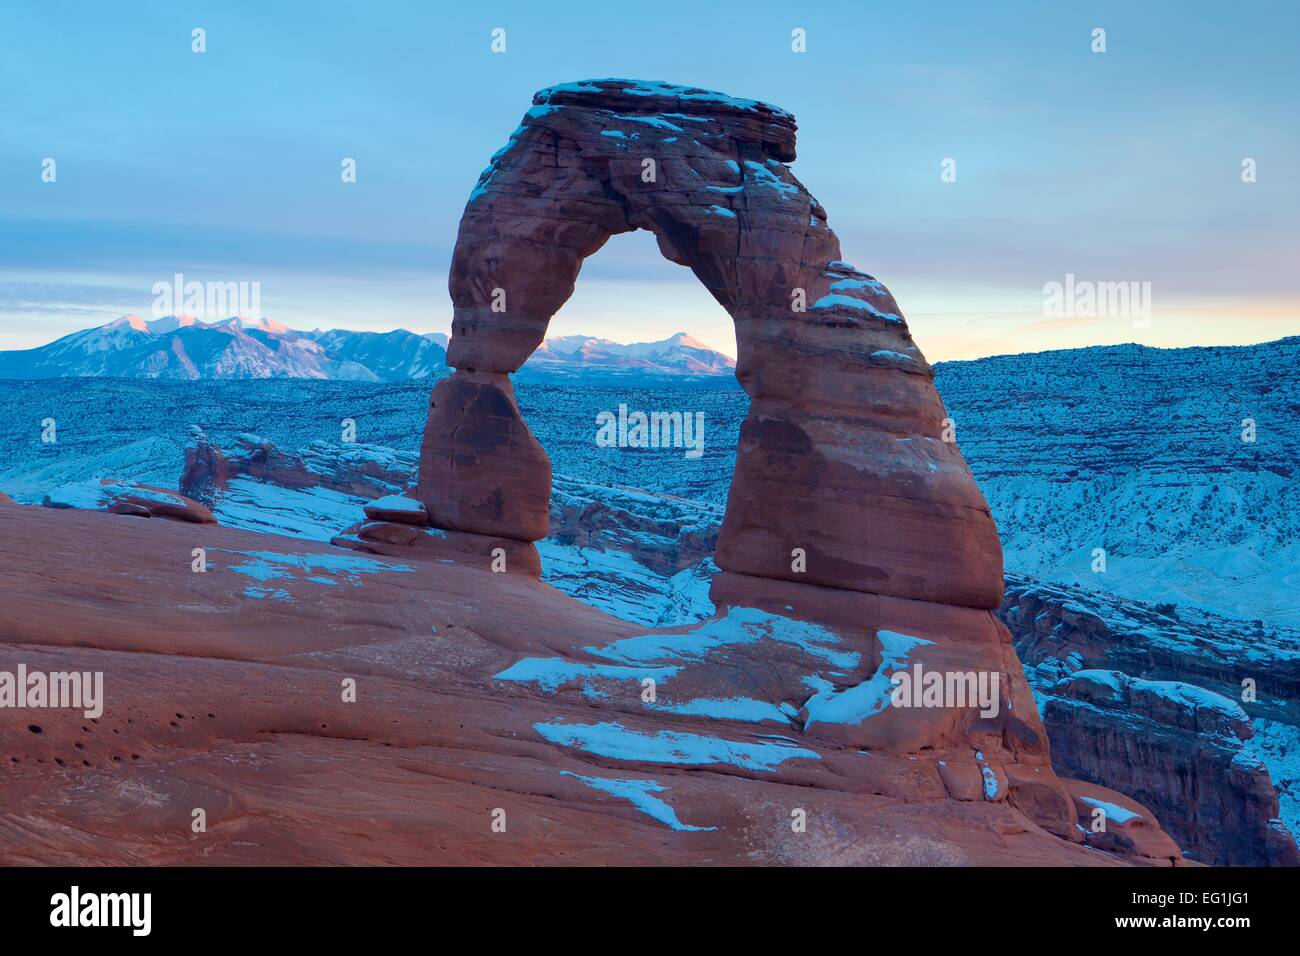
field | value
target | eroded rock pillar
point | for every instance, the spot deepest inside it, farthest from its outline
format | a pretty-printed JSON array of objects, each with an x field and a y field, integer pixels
[{"x": 481, "y": 469}]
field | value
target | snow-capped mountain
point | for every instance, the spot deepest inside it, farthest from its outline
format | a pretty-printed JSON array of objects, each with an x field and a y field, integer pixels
[
  {"x": 182, "y": 347},
  {"x": 680, "y": 354},
  {"x": 390, "y": 356}
]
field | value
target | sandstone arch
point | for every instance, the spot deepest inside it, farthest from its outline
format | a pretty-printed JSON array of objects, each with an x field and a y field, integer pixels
[{"x": 842, "y": 453}]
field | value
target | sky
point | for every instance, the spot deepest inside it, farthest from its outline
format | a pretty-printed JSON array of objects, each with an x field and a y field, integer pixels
[{"x": 1115, "y": 166}]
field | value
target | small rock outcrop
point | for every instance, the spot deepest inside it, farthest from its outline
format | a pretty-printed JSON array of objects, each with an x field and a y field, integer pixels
[
  {"x": 1116, "y": 824},
  {"x": 361, "y": 470},
  {"x": 128, "y": 498},
  {"x": 397, "y": 508}
]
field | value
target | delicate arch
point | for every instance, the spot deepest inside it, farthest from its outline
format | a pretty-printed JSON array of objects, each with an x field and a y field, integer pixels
[{"x": 842, "y": 454}]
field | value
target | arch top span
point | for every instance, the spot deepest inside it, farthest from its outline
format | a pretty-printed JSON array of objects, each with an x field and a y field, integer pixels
[{"x": 842, "y": 457}]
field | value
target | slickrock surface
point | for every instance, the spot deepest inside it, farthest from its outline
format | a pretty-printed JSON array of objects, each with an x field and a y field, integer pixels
[
  {"x": 842, "y": 454},
  {"x": 475, "y": 692},
  {"x": 643, "y": 558}
]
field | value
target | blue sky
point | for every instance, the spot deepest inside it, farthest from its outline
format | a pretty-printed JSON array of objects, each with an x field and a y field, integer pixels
[{"x": 225, "y": 165}]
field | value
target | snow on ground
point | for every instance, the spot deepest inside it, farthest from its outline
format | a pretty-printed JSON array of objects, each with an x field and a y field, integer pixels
[
  {"x": 855, "y": 704},
  {"x": 611, "y": 739},
  {"x": 313, "y": 513},
  {"x": 618, "y": 584},
  {"x": 328, "y": 569},
  {"x": 740, "y": 625},
  {"x": 640, "y": 793}
]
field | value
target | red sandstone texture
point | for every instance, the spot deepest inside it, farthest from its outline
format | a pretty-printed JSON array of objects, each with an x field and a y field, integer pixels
[
  {"x": 223, "y": 692},
  {"x": 844, "y": 453},
  {"x": 481, "y": 469}
]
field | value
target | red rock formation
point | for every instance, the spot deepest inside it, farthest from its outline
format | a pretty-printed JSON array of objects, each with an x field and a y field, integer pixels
[
  {"x": 843, "y": 454},
  {"x": 1146, "y": 703},
  {"x": 399, "y": 509},
  {"x": 481, "y": 469},
  {"x": 848, "y": 486},
  {"x": 129, "y": 498},
  {"x": 368, "y": 471},
  {"x": 1178, "y": 748},
  {"x": 403, "y": 540},
  {"x": 482, "y": 692},
  {"x": 1114, "y": 823},
  {"x": 1008, "y": 751}
]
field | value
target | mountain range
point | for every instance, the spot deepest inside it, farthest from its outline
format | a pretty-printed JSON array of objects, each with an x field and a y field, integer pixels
[
  {"x": 185, "y": 348},
  {"x": 678, "y": 355}
]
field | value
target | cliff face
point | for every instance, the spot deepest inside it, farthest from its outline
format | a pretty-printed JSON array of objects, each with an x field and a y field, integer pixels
[{"x": 1149, "y": 701}]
